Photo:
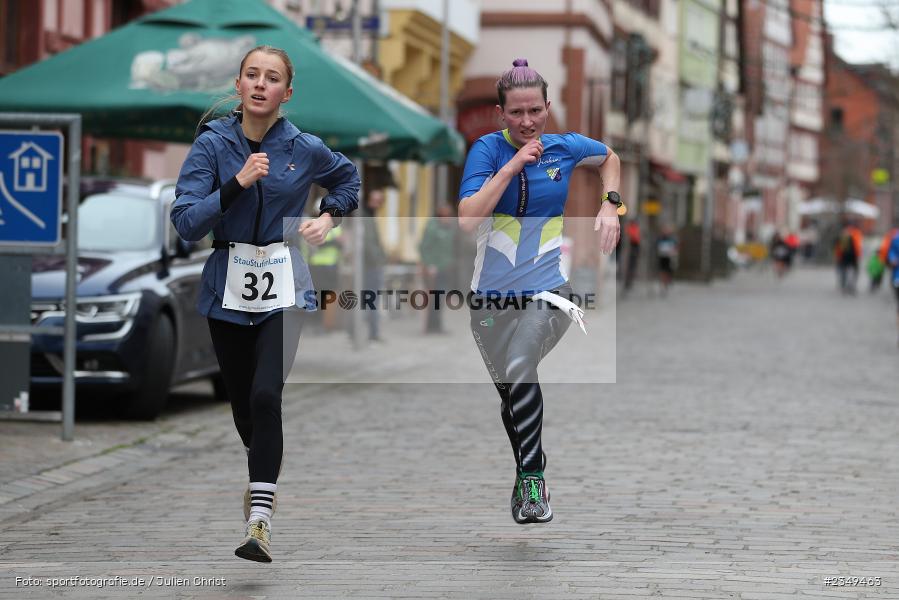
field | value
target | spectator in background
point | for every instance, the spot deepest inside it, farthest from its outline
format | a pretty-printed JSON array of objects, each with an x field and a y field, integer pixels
[
  {"x": 632, "y": 229},
  {"x": 781, "y": 254},
  {"x": 666, "y": 253},
  {"x": 893, "y": 261},
  {"x": 323, "y": 265},
  {"x": 808, "y": 237},
  {"x": 847, "y": 251},
  {"x": 437, "y": 249},
  {"x": 792, "y": 241},
  {"x": 375, "y": 259},
  {"x": 877, "y": 263}
]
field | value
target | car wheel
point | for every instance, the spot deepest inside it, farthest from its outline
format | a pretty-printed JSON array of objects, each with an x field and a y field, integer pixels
[
  {"x": 218, "y": 388},
  {"x": 149, "y": 400}
]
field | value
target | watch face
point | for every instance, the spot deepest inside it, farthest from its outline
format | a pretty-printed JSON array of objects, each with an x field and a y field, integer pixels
[{"x": 614, "y": 197}]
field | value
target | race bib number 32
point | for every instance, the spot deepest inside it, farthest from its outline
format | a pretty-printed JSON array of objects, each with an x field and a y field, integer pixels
[{"x": 259, "y": 279}]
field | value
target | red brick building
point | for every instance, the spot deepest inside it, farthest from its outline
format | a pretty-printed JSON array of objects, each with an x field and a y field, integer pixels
[
  {"x": 37, "y": 29},
  {"x": 859, "y": 157},
  {"x": 806, "y": 105}
]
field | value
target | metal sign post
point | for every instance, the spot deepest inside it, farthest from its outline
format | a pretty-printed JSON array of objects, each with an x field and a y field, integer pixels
[{"x": 31, "y": 219}]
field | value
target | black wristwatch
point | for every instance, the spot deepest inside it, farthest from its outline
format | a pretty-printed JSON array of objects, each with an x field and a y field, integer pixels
[
  {"x": 615, "y": 198},
  {"x": 336, "y": 214}
]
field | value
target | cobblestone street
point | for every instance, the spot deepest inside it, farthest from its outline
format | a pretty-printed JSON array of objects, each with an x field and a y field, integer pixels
[{"x": 747, "y": 451}]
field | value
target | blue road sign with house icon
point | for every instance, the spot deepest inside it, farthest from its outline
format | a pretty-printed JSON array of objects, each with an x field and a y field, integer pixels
[{"x": 30, "y": 188}]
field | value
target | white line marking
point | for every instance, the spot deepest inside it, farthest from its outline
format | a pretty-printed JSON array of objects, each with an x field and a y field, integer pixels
[{"x": 34, "y": 218}]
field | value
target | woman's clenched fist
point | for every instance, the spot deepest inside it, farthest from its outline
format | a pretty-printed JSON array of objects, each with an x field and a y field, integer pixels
[{"x": 254, "y": 169}]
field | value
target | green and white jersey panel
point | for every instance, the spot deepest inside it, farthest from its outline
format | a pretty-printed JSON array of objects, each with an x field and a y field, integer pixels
[{"x": 519, "y": 248}]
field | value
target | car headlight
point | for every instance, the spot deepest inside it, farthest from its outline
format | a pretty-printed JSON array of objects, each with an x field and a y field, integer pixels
[{"x": 108, "y": 308}]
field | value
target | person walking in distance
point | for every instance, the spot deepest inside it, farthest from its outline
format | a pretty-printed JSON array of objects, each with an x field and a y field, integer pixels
[
  {"x": 877, "y": 263},
  {"x": 781, "y": 254},
  {"x": 246, "y": 180},
  {"x": 666, "y": 256},
  {"x": 436, "y": 251},
  {"x": 847, "y": 251},
  {"x": 375, "y": 259},
  {"x": 893, "y": 261},
  {"x": 632, "y": 231},
  {"x": 513, "y": 191}
]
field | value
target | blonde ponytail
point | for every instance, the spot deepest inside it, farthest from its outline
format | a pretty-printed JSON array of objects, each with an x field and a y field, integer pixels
[{"x": 216, "y": 112}]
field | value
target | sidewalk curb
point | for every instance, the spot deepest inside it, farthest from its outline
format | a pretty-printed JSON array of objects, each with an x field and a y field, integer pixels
[
  {"x": 68, "y": 482},
  {"x": 121, "y": 462}
]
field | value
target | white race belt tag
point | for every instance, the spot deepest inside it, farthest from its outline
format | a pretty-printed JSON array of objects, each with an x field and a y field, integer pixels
[{"x": 259, "y": 279}]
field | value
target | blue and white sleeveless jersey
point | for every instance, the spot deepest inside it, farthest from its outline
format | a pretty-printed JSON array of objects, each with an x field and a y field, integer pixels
[{"x": 519, "y": 248}]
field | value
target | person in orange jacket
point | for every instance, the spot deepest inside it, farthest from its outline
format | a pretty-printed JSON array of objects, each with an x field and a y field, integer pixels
[
  {"x": 884, "y": 249},
  {"x": 877, "y": 264},
  {"x": 847, "y": 251}
]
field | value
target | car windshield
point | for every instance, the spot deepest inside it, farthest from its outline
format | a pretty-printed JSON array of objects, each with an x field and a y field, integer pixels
[{"x": 114, "y": 222}]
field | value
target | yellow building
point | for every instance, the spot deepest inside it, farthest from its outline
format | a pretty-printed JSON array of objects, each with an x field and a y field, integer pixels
[
  {"x": 409, "y": 59},
  {"x": 405, "y": 54}
]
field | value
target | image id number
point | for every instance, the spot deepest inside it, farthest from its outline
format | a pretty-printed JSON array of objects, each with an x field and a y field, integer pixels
[{"x": 852, "y": 581}]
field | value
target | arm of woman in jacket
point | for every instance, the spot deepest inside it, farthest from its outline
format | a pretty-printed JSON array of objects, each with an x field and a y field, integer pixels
[{"x": 337, "y": 174}]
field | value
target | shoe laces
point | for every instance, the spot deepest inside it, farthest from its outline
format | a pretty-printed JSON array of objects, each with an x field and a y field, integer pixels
[
  {"x": 534, "y": 490},
  {"x": 532, "y": 487},
  {"x": 258, "y": 530}
]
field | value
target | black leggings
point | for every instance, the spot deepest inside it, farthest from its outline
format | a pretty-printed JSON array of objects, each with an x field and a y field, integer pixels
[
  {"x": 253, "y": 368},
  {"x": 512, "y": 342}
]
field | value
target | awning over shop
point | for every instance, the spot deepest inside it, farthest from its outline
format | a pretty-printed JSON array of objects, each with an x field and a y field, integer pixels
[
  {"x": 668, "y": 173},
  {"x": 853, "y": 206}
]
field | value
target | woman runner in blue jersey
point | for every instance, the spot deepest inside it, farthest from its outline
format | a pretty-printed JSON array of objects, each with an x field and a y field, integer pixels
[{"x": 513, "y": 190}]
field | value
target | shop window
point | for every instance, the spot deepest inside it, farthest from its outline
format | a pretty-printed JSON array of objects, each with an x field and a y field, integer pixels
[
  {"x": 619, "y": 74},
  {"x": 124, "y": 11},
  {"x": 836, "y": 119},
  {"x": 9, "y": 47}
]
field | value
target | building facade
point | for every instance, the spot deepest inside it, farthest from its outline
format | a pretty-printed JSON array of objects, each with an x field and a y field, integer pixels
[
  {"x": 807, "y": 109},
  {"x": 403, "y": 48},
  {"x": 859, "y": 158},
  {"x": 768, "y": 36},
  {"x": 36, "y": 30},
  {"x": 731, "y": 147}
]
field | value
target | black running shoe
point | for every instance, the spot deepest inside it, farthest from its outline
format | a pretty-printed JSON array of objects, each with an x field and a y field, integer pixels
[
  {"x": 518, "y": 500},
  {"x": 532, "y": 500},
  {"x": 519, "y": 497}
]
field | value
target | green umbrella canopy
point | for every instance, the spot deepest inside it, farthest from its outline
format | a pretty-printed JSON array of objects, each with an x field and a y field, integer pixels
[{"x": 156, "y": 76}]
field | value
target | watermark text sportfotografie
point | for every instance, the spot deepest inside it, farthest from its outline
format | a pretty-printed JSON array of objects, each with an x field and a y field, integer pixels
[
  {"x": 418, "y": 299},
  {"x": 119, "y": 581}
]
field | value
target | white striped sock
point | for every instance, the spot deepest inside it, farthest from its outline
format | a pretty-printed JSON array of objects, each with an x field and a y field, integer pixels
[{"x": 262, "y": 496}]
